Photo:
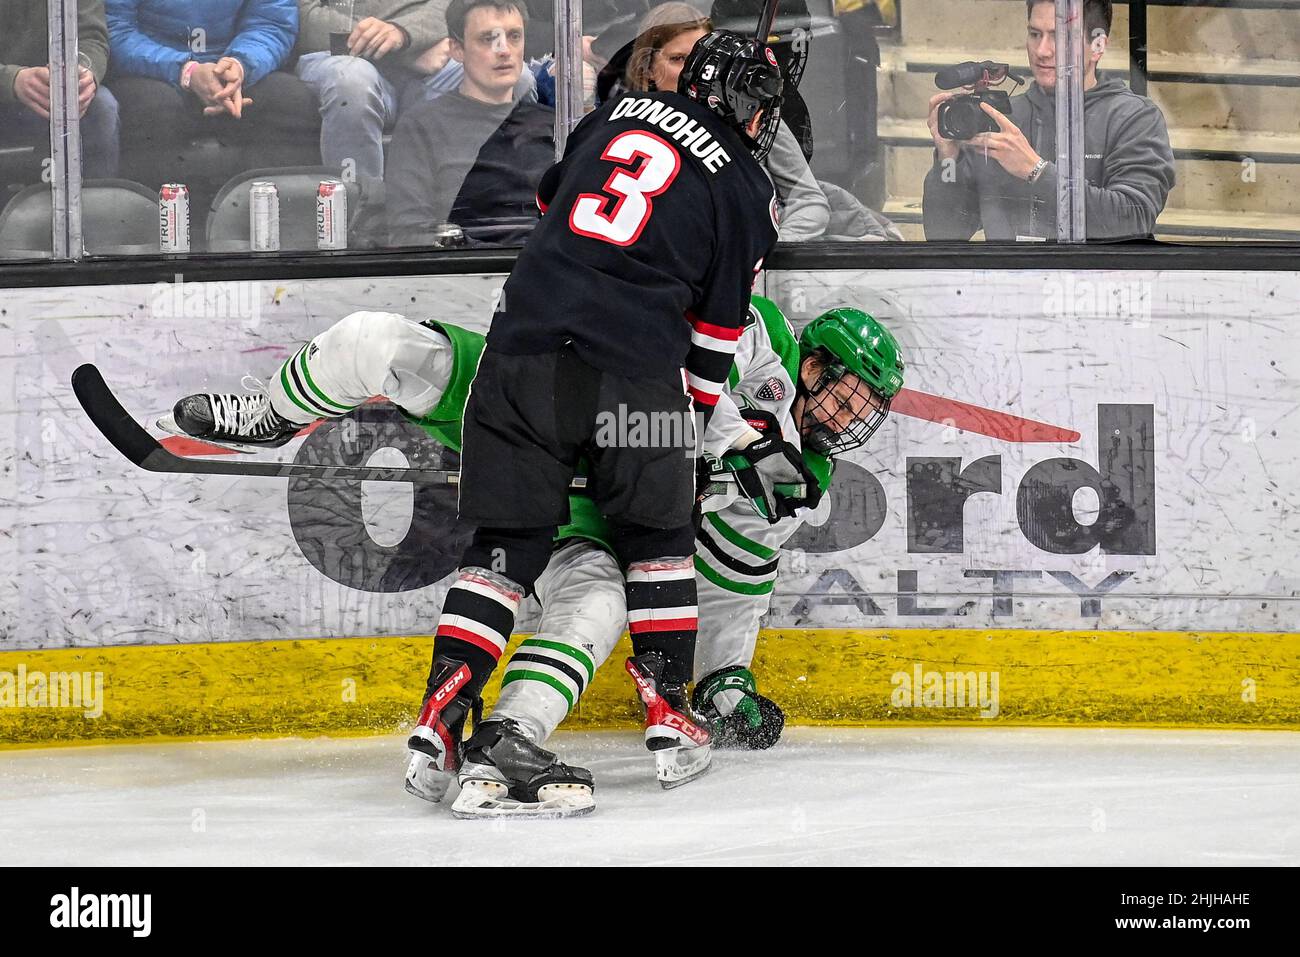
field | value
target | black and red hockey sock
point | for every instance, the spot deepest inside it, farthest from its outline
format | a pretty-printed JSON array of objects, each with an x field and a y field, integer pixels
[
  {"x": 477, "y": 619},
  {"x": 661, "y": 613}
]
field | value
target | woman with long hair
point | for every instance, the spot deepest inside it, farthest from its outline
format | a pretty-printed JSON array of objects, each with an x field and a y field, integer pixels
[{"x": 664, "y": 40}]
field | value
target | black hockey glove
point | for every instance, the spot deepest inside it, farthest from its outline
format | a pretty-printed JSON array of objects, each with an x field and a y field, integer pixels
[{"x": 766, "y": 462}]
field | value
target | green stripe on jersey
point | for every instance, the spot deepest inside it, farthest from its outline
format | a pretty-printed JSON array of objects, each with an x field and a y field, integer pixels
[
  {"x": 737, "y": 539},
  {"x": 727, "y": 584},
  {"x": 581, "y": 657},
  {"x": 519, "y": 674},
  {"x": 306, "y": 376}
]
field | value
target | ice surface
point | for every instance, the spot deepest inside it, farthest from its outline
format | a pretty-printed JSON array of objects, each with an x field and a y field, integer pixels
[{"x": 920, "y": 796}]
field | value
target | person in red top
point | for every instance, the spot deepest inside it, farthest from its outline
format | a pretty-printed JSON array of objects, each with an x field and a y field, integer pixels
[{"x": 619, "y": 320}]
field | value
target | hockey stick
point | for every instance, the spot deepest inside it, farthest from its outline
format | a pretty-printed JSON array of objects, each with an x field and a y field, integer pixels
[
  {"x": 765, "y": 18},
  {"x": 142, "y": 449}
]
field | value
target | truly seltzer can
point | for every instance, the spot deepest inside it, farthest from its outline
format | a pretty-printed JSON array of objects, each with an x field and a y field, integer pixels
[
  {"x": 264, "y": 217},
  {"x": 174, "y": 218},
  {"x": 331, "y": 215}
]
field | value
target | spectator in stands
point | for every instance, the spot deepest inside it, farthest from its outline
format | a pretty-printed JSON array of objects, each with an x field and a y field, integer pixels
[
  {"x": 474, "y": 156},
  {"x": 185, "y": 68},
  {"x": 392, "y": 46},
  {"x": 665, "y": 38},
  {"x": 1005, "y": 182},
  {"x": 25, "y": 83},
  {"x": 859, "y": 21}
]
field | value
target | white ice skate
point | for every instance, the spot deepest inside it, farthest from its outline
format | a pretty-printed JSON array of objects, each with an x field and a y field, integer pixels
[{"x": 425, "y": 780}]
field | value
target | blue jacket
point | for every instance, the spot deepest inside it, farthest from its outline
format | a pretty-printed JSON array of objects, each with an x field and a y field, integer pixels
[{"x": 155, "y": 38}]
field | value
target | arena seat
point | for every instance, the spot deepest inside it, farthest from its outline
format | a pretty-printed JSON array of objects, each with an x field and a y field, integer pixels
[{"x": 119, "y": 218}]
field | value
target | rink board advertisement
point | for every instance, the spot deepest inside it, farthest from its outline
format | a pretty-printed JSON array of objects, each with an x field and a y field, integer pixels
[{"x": 1092, "y": 472}]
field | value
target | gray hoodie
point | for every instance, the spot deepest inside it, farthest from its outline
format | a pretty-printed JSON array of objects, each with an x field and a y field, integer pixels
[{"x": 1128, "y": 164}]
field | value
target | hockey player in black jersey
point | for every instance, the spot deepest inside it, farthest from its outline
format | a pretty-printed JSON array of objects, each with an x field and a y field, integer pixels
[{"x": 626, "y": 302}]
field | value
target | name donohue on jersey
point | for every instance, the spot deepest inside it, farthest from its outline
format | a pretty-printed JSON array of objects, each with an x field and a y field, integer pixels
[{"x": 659, "y": 219}]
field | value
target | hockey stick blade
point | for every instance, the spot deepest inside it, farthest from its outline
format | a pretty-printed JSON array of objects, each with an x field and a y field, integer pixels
[{"x": 142, "y": 449}]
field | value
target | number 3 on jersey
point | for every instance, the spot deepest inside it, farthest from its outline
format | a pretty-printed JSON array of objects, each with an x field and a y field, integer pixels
[{"x": 620, "y": 220}]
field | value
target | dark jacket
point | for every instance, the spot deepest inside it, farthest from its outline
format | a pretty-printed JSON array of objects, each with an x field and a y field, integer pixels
[
  {"x": 471, "y": 163},
  {"x": 1128, "y": 164},
  {"x": 155, "y": 38},
  {"x": 24, "y": 39}
]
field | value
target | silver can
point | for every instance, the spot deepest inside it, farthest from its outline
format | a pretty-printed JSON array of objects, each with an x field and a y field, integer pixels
[
  {"x": 331, "y": 215},
  {"x": 174, "y": 218},
  {"x": 264, "y": 217},
  {"x": 447, "y": 235}
]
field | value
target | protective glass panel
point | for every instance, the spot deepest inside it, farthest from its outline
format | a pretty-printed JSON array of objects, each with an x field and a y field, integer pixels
[
  {"x": 25, "y": 192},
  {"x": 286, "y": 126},
  {"x": 1227, "y": 79}
]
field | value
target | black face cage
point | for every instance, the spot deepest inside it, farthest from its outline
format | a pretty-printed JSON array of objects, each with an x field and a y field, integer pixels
[
  {"x": 820, "y": 436},
  {"x": 767, "y": 132},
  {"x": 748, "y": 91}
]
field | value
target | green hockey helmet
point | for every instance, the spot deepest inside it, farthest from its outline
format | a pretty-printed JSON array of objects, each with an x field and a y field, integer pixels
[{"x": 854, "y": 343}]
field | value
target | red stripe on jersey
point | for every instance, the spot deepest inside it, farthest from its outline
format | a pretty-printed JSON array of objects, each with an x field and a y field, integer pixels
[
  {"x": 478, "y": 641},
  {"x": 703, "y": 398},
  {"x": 714, "y": 331},
  {"x": 540, "y": 204},
  {"x": 663, "y": 624}
]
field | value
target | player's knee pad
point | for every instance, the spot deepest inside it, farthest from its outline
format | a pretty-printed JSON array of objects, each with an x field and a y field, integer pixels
[
  {"x": 375, "y": 343},
  {"x": 583, "y": 600}
]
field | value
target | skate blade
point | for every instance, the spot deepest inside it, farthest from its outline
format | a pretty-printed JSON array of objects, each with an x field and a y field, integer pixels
[
  {"x": 677, "y": 766},
  {"x": 489, "y": 799},
  {"x": 168, "y": 424},
  {"x": 424, "y": 780}
]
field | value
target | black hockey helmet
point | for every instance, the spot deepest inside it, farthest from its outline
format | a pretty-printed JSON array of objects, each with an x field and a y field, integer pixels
[{"x": 735, "y": 78}]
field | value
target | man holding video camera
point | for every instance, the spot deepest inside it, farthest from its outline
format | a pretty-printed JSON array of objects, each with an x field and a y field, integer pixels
[{"x": 1003, "y": 179}]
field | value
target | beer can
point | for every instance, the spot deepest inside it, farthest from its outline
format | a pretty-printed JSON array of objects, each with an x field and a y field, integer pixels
[
  {"x": 331, "y": 215},
  {"x": 446, "y": 235},
  {"x": 174, "y": 218},
  {"x": 264, "y": 217}
]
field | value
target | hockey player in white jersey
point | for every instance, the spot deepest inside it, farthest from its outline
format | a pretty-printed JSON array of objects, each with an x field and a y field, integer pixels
[
  {"x": 829, "y": 392},
  {"x": 790, "y": 406},
  {"x": 425, "y": 369}
]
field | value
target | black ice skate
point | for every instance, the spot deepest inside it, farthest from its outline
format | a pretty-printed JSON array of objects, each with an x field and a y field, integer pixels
[
  {"x": 506, "y": 775},
  {"x": 673, "y": 731},
  {"x": 245, "y": 423},
  {"x": 436, "y": 749}
]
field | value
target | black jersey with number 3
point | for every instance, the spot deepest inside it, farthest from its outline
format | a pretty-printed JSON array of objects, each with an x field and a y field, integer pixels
[{"x": 655, "y": 224}]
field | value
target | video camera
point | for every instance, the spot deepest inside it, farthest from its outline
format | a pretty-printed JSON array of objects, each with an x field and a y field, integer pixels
[{"x": 961, "y": 118}]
